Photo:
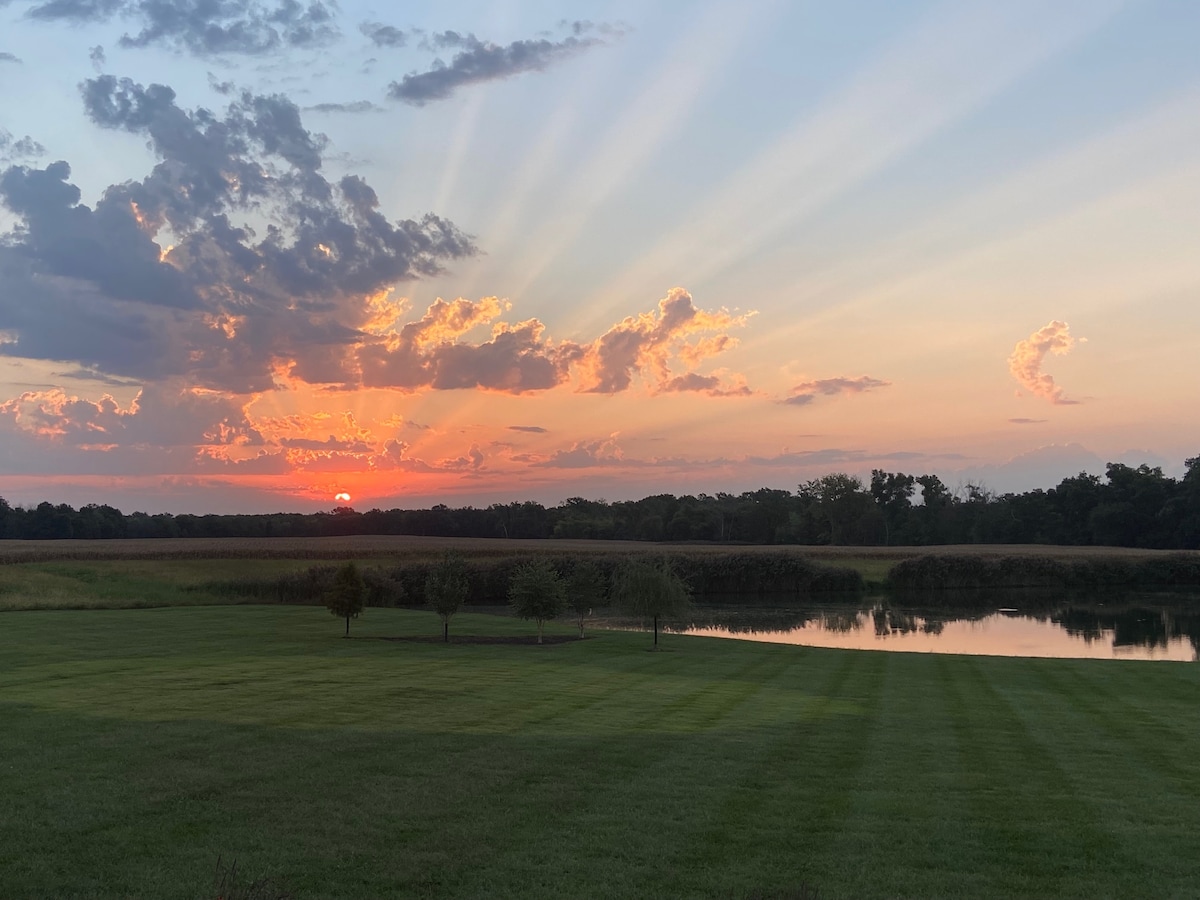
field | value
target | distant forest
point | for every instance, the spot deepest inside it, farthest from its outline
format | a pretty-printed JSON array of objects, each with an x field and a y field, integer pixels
[{"x": 1128, "y": 507}]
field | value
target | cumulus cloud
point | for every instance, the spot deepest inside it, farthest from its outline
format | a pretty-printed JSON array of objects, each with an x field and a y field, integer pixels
[
  {"x": 165, "y": 277},
  {"x": 479, "y": 61},
  {"x": 160, "y": 416},
  {"x": 205, "y": 27},
  {"x": 806, "y": 392},
  {"x": 520, "y": 358},
  {"x": 1025, "y": 363}
]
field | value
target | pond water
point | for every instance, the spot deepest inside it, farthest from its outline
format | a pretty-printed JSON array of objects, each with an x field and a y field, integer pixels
[{"x": 1127, "y": 628}]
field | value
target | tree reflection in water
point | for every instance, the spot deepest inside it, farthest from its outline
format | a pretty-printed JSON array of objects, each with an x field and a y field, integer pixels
[{"x": 1141, "y": 622}]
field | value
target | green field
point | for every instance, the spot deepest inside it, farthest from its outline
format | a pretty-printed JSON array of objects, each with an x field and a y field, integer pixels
[{"x": 138, "y": 746}]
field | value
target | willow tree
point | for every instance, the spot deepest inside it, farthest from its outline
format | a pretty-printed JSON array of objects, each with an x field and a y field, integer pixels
[{"x": 650, "y": 591}]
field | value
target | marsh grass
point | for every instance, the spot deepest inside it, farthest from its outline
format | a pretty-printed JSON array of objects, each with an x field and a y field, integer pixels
[{"x": 139, "y": 745}]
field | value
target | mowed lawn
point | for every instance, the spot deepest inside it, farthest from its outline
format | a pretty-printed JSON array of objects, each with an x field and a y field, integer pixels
[{"x": 138, "y": 746}]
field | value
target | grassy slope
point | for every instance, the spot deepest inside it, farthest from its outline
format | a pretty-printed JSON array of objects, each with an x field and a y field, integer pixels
[{"x": 137, "y": 745}]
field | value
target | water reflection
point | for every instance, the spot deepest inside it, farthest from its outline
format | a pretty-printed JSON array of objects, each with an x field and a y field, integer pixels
[{"x": 1130, "y": 627}]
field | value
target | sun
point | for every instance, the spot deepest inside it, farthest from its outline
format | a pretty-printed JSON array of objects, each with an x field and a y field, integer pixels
[{"x": 342, "y": 496}]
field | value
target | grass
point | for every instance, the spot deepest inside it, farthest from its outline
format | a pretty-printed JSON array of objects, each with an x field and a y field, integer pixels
[{"x": 138, "y": 746}]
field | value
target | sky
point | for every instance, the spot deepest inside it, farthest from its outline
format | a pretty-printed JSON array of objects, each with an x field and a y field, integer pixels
[{"x": 255, "y": 254}]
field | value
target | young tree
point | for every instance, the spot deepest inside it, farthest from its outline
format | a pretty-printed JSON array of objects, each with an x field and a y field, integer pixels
[
  {"x": 650, "y": 591},
  {"x": 537, "y": 592},
  {"x": 346, "y": 597},
  {"x": 446, "y": 589},
  {"x": 585, "y": 589}
]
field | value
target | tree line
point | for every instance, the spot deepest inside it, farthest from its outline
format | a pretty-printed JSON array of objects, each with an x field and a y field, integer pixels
[{"x": 1127, "y": 507}]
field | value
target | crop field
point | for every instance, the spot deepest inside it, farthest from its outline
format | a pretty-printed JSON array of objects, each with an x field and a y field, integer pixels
[
  {"x": 40, "y": 574},
  {"x": 141, "y": 746}
]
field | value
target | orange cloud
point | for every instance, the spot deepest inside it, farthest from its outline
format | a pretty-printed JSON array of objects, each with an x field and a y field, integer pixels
[
  {"x": 519, "y": 358},
  {"x": 1027, "y": 357}
]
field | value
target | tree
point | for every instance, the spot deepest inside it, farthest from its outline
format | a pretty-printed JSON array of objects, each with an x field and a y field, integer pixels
[
  {"x": 650, "y": 591},
  {"x": 536, "y": 591},
  {"x": 446, "y": 589},
  {"x": 346, "y": 597},
  {"x": 585, "y": 589}
]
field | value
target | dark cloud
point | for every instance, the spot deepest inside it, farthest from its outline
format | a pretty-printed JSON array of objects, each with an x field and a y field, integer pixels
[
  {"x": 223, "y": 306},
  {"x": 529, "y": 429},
  {"x": 804, "y": 393},
  {"x": 356, "y": 106},
  {"x": 13, "y": 149},
  {"x": 384, "y": 35},
  {"x": 479, "y": 61},
  {"x": 82, "y": 11},
  {"x": 84, "y": 374},
  {"x": 711, "y": 385},
  {"x": 6, "y": 57},
  {"x": 205, "y": 27},
  {"x": 96, "y": 55}
]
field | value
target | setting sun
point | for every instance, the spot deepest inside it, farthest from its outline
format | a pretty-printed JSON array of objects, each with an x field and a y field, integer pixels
[{"x": 343, "y": 496}]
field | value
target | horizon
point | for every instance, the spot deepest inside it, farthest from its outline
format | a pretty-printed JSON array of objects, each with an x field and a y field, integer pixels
[{"x": 489, "y": 253}]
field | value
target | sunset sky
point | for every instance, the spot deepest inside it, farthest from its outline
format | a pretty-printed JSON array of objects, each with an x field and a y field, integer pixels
[{"x": 473, "y": 252}]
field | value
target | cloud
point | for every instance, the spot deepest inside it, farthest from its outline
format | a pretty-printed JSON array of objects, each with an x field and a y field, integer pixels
[
  {"x": 395, "y": 456},
  {"x": 605, "y": 453},
  {"x": 15, "y": 149},
  {"x": 205, "y": 27},
  {"x": 355, "y": 106},
  {"x": 479, "y": 61},
  {"x": 218, "y": 304},
  {"x": 98, "y": 58},
  {"x": 384, "y": 35},
  {"x": 806, "y": 392},
  {"x": 587, "y": 455},
  {"x": 160, "y": 416},
  {"x": 1022, "y": 421},
  {"x": 1025, "y": 363},
  {"x": 519, "y": 358},
  {"x": 529, "y": 429},
  {"x": 644, "y": 345},
  {"x": 6, "y": 57},
  {"x": 704, "y": 384}
]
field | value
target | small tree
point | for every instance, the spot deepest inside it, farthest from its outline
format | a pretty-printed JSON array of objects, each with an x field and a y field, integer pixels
[
  {"x": 346, "y": 596},
  {"x": 650, "y": 591},
  {"x": 585, "y": 590},
  {"x": 446, "y": 589},
  {"x": 537, "y": 592}
]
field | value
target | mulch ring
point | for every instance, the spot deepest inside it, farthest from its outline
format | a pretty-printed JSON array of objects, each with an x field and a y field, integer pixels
[{"x": 482, "y": 639}]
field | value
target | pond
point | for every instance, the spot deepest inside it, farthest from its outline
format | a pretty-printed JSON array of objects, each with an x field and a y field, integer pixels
[{"x": 1130, "y": 627}]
